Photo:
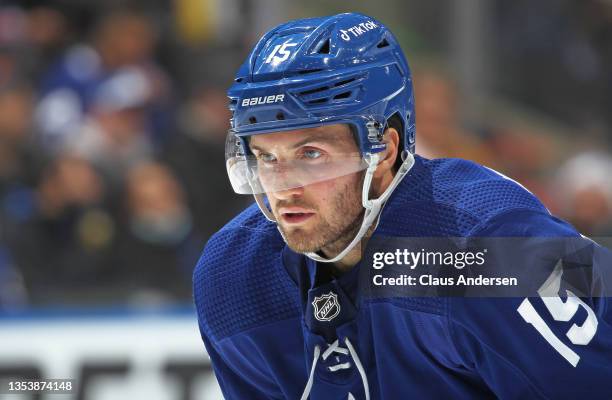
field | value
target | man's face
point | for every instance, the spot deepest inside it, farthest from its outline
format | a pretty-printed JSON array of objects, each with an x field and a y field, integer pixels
[{"x": 325, "y": 214}]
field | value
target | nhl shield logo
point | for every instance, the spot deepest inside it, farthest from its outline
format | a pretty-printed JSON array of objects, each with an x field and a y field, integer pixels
[{"x": 326, "y": 307}]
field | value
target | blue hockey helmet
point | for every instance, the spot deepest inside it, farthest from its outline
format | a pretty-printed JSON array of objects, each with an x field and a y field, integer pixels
[
  {"x": 343, "y": 68},
  {"x": 347, "y": 68}
]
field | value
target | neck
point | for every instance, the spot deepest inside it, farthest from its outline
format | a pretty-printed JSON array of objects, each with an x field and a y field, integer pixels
[
  {"x": 354, "y": 255},
  {"x": 349, "y": 261}
]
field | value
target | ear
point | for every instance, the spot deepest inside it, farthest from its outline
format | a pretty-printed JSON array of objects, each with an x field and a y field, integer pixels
[{"x": 385, "y": 166}]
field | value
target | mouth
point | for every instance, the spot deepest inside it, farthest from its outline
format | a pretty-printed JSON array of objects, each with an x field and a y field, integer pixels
[{"x": 295, "y": 216}]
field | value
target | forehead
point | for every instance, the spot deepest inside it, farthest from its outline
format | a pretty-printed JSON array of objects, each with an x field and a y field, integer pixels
[{"x": 338, "y": 136}]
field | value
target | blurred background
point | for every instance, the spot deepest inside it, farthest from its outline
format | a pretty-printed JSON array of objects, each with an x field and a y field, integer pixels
[{"x": 112, "y": 124}]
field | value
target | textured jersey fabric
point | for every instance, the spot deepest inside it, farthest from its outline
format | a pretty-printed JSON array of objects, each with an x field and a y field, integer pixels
[{"x": 253, "y": 296}]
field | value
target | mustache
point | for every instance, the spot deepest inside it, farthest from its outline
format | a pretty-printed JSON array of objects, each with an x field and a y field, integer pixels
[{"x": 297, "y": 203}]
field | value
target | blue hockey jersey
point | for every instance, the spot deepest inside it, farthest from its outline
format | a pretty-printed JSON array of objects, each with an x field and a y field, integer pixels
[{"x": 255, "y": 300}]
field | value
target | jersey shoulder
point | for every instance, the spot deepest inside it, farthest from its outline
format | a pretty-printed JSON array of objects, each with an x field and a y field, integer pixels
[
  {"x": 481, "y": 191},
  {"x": 452, "y": 197},
  {"x": 239, "y": 281}
]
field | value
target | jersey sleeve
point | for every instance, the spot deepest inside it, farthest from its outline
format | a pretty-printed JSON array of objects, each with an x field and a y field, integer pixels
[
  {"x": 237, "y": 365},
  {"x": 229, "y": 311},
  {"x": 557, "y": 346},
  {"x": 235, "y": 385}
]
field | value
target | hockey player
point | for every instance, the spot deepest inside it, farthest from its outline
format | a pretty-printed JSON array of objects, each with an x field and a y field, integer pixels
[{"x": 323, "y": 136}]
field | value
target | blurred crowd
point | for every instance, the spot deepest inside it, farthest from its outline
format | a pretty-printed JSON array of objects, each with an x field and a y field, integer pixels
[
  {"x": 112, "y": 177},
  {"x": 569, "y": 171}
]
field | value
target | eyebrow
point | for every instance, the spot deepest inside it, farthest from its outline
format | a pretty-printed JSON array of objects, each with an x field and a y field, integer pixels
[{"x": 319, "y": 137}]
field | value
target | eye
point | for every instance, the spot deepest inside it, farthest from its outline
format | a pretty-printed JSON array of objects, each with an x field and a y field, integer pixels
[
  {"x": 266, "y": 157},
  {"x": 312, "y": 154}
]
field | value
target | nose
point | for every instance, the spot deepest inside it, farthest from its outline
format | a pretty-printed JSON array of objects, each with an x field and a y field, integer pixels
[
  {"x": 288, "y": 194},
  {"x": 283, "y": 182}
]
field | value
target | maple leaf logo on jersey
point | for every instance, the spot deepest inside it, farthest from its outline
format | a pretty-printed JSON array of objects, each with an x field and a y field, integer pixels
[{"x": 326, "y": 307}]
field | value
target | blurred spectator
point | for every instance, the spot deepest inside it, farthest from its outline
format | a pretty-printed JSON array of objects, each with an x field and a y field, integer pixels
[
  {"x": 63, "y": 249},
  {"x": 113, "y": 136},
  {"x": 20, "y": 161},
  {"x": 525, "y": 155},
  {"x": 196, "y": 154},
  {"x": 122, "y": 38},
  {"x": 584, "y": 185},
  {"x": 157, "y": 246},
  {"x": 48, "y": 30},
  {"x": 439, "y": 131},
  {"x": 556, "y": 56},
  {"x": 13, "y": 42}
]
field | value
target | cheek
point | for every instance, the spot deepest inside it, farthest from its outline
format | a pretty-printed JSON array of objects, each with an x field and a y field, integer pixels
[
  {"x": 322, "y": 191},
  {"x": 326, "y": 194},
  {"x": 327, "y": 191}
]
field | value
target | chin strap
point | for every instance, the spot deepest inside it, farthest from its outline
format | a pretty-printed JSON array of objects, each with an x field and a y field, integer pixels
[{"x": 372, "y": 206}]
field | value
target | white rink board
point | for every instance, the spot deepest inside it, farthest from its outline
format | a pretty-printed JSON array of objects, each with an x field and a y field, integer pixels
[{"x": 144, "y": 351}]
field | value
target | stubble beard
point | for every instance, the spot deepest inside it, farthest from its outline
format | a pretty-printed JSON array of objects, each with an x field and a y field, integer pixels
[{"x": 334, "y": 233}]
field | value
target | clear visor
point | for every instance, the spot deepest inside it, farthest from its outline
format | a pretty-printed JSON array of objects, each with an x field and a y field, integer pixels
[{"x": 275, "y": 171}]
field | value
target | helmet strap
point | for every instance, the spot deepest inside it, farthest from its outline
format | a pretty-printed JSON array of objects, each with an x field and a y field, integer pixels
[{"x": 372, "y": 207}]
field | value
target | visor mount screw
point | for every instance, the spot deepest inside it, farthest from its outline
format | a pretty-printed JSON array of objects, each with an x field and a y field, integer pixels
[
  {"x": 375, "y": 134},
  {"x": 239, "y": 152}
]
